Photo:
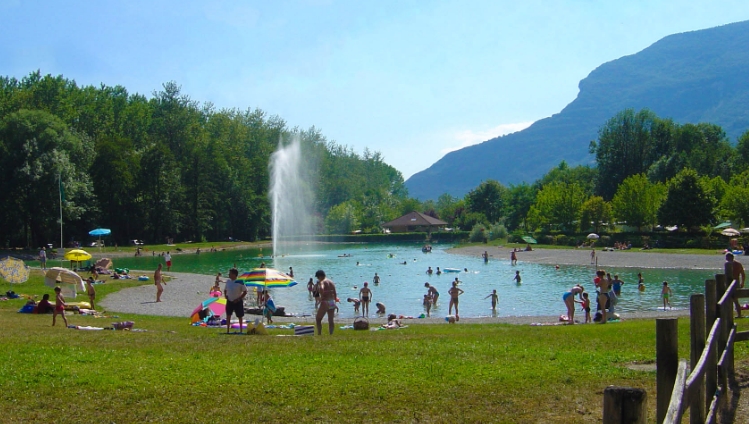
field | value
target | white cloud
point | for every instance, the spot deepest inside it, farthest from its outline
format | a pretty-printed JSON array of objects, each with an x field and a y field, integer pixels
[{"x": 467, "y": 138}]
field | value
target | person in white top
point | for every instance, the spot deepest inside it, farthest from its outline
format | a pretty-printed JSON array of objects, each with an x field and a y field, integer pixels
[
  {"x": 234, "y": 291},
  {"x": 168, "y": 260}
]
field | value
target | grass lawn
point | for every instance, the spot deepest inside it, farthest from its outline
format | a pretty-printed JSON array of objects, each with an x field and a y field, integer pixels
[{"x": 173, "y": 372}]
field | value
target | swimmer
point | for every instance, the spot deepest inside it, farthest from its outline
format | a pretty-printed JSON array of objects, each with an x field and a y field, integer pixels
[{"x": 517, "y": 278}]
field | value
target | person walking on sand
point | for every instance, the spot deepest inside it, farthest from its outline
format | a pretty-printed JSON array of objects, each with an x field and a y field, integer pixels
[
  {"x": 365, "y": 295},
  {"x": 91, "y": 291},
  {"x": 495, "y": 299},
  {"x": 666, "y": 294},
  {"x": 593, "y": 256},
  {"x": 517, "y": 278},
  {"x": 168, "y": 260},
  {"x": 454, "y": 292},
  {"x": 734, "y": 271},
  {"x": 328, "y": 296},
  {"x": 59, "y": 307},
  {"x": 158, "y": 280},
  {"x": 234, "y": 292}
]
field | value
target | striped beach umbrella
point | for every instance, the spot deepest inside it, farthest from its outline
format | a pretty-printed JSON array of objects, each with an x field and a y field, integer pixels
[{"x": 266, "y": 278}]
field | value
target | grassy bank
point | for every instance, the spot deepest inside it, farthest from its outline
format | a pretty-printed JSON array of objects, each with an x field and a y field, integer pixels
[{"x": 431, "y": 373}]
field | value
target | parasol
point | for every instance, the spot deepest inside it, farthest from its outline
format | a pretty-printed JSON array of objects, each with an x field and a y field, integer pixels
[
  {"x": 13, "y": 270},
  {"x": 529, "y": 239},
  {"x": 266, "y": 278}
]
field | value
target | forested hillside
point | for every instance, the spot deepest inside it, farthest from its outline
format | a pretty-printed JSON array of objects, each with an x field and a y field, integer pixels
[
  {"x": 151, "y": 167},
  {"x": 694, "y": 77}
]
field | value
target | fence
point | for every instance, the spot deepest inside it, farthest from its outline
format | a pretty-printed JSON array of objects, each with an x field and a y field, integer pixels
[{"x": 711, "y": 362}]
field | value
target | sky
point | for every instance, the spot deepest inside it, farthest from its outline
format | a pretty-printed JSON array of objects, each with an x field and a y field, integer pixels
[{"x": 413, "y": 80}]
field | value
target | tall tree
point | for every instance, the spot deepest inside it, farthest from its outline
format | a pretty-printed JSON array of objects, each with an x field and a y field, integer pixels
[
  {"x": 637, "y": 201},
  {"x": 688, "y": 204},
  {"x": 488, "y": 199}
]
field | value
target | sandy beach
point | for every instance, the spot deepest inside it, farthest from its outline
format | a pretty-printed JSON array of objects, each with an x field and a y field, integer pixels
[{"x": 185, "y": 291}]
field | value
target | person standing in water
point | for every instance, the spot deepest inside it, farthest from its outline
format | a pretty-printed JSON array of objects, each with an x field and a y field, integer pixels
[
  {"x": 168, "y": 260},
  {"x": 454, "y": 292},
  {"x": 365, "y": 295},
  {"x": 517, "y": 278},
  {"x": 376, "y": 279},
  {"x": 666, "y": 294},
  {"x": 495, "y": 299},
  {"x": 513, "y": 258}
]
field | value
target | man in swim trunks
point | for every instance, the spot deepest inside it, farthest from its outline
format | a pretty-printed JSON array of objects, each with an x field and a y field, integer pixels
[
  {"x": 168, "y": 260},
  {"x": 235, "y": 292},
  {"x": 158, "y": 281},
  {"x": 734, "y": 271},
  {"x": 365, "y": 295},
  {"x": 376, "y": 279},
  {"x": 454, "y": 292},
  {"x": 328, "y": 296}
]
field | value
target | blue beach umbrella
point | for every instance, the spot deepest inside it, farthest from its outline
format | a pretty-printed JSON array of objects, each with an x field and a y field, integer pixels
[{"x": 100, "y": 232}]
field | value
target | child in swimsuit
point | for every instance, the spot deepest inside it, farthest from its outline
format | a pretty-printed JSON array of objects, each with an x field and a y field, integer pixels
[
  {"x": 59, "y": 307},
  {"x": 427, "y": 303},
  {"x": 666, "y": 293}
]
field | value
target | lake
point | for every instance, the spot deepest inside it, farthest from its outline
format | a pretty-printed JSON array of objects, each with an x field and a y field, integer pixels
[{"x": 402, "y": 285}]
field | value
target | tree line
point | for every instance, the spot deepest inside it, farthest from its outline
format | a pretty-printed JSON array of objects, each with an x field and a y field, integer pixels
[
  {"x": 157, "y": 167},
  {"x": 166, "y": 166}
]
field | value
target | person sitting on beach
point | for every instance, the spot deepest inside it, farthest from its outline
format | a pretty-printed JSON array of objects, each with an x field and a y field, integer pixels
[
  {"x": 215, "y": 290},
  {"x": 393, "y": 322},
  {"x": 44, "y": 307}
]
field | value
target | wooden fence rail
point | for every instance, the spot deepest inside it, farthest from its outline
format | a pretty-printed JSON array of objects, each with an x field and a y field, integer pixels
[{"x": 704, "y": 389}]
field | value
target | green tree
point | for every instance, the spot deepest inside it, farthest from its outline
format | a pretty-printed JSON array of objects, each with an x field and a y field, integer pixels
[
  {"x": 735, "y": 201},
  {"x": 520, "y": 199},
  {"x": 36, "y": 149},
  {"x": 559, "y": 204},
  {"x": 488, "y": 199},
  {"x": 688, "y": 204},
  {"x": 594, "y": 212},
  {"x": 342, "y": 219},
  {"x": 637, "y": 201}
]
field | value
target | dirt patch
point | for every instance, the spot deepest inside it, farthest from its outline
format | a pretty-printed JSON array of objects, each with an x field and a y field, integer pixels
[{"x": 641, "y": 367}]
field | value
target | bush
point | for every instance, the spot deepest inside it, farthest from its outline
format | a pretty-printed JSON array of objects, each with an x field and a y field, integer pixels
[
  {"x": 478, "y": 233},
  {"x": 498, "y": 231}
]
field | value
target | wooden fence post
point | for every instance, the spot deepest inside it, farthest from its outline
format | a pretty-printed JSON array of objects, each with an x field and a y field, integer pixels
[
  {"x": 666, "y": 362},
  {"x": 720, "y": 283},
  {"x": 711, "y": 368},
  {"x": 697, "y": 330},
  {"x": 625, "y": 405}
]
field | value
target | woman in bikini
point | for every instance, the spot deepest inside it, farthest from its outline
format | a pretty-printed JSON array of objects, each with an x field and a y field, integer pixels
[
  {"x": 454, "y": 292},
  {"x": 328, "y": 296},
  {"x": 365, "y": 295}
]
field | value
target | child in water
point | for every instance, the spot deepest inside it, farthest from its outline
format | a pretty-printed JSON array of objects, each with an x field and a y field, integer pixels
[
  {"x": 666, "y": 293},
  {"x": 517, "y": 277},
  {"x": 495, "y": 298},
  {"x": 640, "y": 282},
  {"x": 428, "y": 303}
]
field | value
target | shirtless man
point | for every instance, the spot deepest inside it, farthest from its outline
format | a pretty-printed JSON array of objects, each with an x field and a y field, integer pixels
[
  {"x": 328, "y": 296},
  {"x": 454, "y": 292},
  {"x": 158, "y": 281},
  {"x": 432, "y": 292},
  {"x": 734, "y": 271},
  {"x": 604, "y": 285},
  {"x": 365, "y": 295},
  {"x": 376, "y": 279}
]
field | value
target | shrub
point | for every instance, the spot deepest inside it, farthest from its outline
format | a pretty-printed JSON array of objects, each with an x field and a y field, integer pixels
[
  {"x": 478, "y": 233},
  {"x": 498, "y": 231}
]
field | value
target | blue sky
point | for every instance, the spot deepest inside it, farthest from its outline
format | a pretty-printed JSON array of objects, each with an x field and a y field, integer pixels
[{"x": 411, "y": 79}]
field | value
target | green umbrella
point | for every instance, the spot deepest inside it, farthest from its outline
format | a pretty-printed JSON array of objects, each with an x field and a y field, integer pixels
[
  {"x": 529, "y": 239},
  {"x": 723, "y": 225}
]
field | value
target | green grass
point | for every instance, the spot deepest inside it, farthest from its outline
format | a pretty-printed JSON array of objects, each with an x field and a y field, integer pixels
[{"x": 429, "y": 373}]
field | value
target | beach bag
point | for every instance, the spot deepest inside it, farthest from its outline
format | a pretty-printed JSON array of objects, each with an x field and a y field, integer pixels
[{"x": 361, "y": 323}]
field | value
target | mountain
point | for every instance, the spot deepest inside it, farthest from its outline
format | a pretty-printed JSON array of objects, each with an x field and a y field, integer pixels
[{"x": 699, "y": 76}]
